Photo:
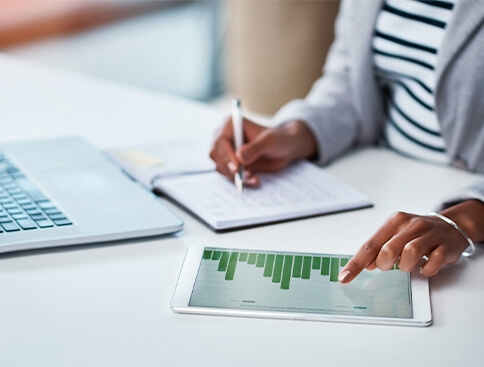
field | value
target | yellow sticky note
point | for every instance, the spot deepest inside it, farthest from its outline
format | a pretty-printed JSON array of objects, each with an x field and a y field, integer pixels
[{"x": 140, "y": 158}]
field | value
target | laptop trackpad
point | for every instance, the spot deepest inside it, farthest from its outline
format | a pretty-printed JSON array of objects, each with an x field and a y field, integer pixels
[{"x": 88, "y": 181}]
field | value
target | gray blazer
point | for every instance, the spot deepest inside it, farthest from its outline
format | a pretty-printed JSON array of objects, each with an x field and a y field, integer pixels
[{"x": 344, "y": 108}]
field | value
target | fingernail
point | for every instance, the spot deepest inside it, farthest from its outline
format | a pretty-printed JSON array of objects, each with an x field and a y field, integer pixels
[
  {"x": 344, "y": 276},
  {"x": 232, "y": 167},
  {"x": 251, "y": 181}
]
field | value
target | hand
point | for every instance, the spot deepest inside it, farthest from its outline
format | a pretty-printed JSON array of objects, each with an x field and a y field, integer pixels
[
  {"x": 407, "y": 238},
  {"x": 265, "y": 149}
]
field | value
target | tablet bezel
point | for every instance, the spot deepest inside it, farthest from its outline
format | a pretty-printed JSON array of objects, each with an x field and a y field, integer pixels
[{"x": 422, "y": 315}]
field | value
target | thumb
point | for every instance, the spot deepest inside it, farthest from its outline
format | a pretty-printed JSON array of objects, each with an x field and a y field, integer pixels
[{"x": 262, "y": 144}]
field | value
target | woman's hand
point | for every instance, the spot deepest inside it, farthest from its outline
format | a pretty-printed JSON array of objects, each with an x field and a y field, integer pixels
[
  {"x": 407, "y": 238},
  {"x": 264, "y": 150}
]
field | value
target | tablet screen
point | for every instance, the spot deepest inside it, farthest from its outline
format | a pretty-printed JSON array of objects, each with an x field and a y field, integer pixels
[{"x": 299, "y": 283}]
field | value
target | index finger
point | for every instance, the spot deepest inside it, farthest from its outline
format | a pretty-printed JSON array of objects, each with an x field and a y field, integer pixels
[
  {"x": 365, "y": 255},
  {"x": 222, "y": 151}
]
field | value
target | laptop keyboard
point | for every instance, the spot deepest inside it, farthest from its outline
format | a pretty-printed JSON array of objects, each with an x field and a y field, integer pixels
[{"x": 22, "y": 205}]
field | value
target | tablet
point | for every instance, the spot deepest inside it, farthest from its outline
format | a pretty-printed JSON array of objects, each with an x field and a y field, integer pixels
[{"x": 295, "y": 285}]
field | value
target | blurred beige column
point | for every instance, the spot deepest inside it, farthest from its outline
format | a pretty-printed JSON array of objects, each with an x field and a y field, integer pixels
[{"x": 276, "y": 49}]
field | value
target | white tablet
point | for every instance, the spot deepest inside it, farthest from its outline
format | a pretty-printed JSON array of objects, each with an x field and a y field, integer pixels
[{"x": 301, "y": 286}]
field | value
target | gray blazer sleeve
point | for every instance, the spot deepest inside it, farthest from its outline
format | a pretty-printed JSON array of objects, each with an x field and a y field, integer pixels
[
  {"x": 472, "y": 192},
  {"x": 328, "y": 110}
]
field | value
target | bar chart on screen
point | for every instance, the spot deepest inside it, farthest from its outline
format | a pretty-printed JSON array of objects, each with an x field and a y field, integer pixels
[{"x": 297, "y": 282}]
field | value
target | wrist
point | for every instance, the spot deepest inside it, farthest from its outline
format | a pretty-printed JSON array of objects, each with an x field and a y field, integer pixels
[
  {"x": 468, "y": 215},
  {"x": 305, "y": 147}
]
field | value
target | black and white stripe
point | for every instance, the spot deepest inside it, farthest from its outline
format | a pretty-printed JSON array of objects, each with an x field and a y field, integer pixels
[{"x": 407, "y": 38}]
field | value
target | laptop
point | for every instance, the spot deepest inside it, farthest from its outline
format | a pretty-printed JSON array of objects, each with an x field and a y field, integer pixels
[{"x": 64, "y": 192}]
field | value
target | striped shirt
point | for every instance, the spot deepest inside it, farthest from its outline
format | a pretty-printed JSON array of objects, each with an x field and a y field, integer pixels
[{"x": 408, "y": 35}]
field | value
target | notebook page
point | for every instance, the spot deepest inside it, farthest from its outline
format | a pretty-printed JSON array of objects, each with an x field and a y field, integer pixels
[{"x": 301, "y": 190}]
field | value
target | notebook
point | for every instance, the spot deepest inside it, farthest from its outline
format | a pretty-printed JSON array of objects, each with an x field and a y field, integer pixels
[
  {"x": 302, "y": 190},
  {"x": 66, "y": 192}
]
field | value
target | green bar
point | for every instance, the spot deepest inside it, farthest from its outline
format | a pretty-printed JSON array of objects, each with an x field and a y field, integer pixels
[
  {"x": 316, "y": 263},
  {"x": 207, "y": 254},
  {"x": 261, "y": 259},
  {"x": 343, "y": 261},
  {"x": 325, "y": 266},
  {"x": 286, "y": 272},
  {"x": 252, "y": 258},
  {"x": 216, "y": 255},
  {"x": 276, "y": 276},
  {"x": 306, "y": 271},
  {"x": 333, "y": 277},
  {"x": 243, "y": 256},
  {"x": 224, "y": 261},
  {"x": 269, "y": 265},
  {"x": 396, "y": 266},
  {"x": 296, "y": 271},
  {"x": 229, "y": 275}
]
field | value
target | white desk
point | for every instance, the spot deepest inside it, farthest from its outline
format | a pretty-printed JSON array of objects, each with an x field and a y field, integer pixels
[{"x": 109, "y": 305}]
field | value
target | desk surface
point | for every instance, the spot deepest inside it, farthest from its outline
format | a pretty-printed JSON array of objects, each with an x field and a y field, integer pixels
[{"x": 108, "y": 305}]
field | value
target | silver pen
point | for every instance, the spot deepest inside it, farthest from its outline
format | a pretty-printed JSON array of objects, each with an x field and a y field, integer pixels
[{"x": 237, "y": 122}]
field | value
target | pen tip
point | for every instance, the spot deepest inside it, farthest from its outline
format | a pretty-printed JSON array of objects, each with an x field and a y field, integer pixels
[{"x": 238, "y": 183}]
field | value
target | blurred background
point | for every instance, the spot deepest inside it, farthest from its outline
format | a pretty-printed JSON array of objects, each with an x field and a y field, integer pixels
[{"x": 265, "y": 52}]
